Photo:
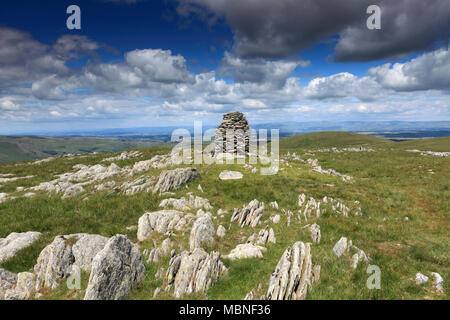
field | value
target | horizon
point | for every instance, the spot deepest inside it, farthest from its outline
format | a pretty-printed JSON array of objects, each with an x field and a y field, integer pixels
[{"x": 172, "y": 62}]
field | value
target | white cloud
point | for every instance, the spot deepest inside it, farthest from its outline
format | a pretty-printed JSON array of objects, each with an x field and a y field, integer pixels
[{"x": 428, "y": 71}]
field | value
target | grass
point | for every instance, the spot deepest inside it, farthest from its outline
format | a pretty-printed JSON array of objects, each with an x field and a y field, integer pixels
[{"x": 390, "y": 184}]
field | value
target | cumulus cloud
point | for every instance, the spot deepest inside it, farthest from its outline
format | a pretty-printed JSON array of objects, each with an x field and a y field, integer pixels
[
  {"x": 24, "y": 59},
  {"x": 275, "y": 29},
  {"x": 159, "y": 65},
  {"x": 428, "y": 71},
  {"x": 258, "y": 70}
]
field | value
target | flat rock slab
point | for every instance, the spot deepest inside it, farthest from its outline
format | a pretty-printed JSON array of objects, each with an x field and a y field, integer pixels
[
  {"x": 230, "y": 175},
  {"x": 15, "y": 242}
]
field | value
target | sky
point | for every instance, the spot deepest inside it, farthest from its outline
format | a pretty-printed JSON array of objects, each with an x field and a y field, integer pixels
[{"x": 138, "y": 63}]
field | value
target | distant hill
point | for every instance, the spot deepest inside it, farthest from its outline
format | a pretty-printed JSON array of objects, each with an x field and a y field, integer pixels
[
  {"x": 331, "y": 139},
  {"x": 23, "y": 148}
]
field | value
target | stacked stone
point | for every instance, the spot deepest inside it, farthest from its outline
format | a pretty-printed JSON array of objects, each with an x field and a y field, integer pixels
[{"x": 237, "y": 122}]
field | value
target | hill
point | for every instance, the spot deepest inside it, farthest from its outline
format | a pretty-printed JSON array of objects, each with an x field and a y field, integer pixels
[
  {"x": 330, "y": 139},
  {"x": 20, "y": 148},
  {"x": 394, "y": 208}
]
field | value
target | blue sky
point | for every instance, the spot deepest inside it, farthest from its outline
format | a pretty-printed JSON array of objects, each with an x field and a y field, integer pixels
[{"x": 155, "y": 63}]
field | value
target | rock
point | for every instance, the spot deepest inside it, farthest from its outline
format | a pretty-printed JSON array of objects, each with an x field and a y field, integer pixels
[
  {"x": 156, "y": 292},
  {"x": 275, "y": 219},
  {"x": 358, "y": 257},
  {"x": 250, "y": 214},
  {"x": 221, "y": 231},
  {"x": 250, "y": 295},
  {"x": 230, "y": 175},
  {"x": 141, "y": 184},
  {"x": 421, "y": 278},
  {"x": 7, "y": 281},
  {"x": 274, "y": 205},
  {"x": 340, "y": 247},
  {"x": 194, "y": 272},
  {"x": 438, "y": 282},
  {"x": 315, "y": 232},
  {"x": 173, "y": 179},
  {"x": 157, "y": 162},
  {"x": 183, "y": 204},
  {"x": 238, "y": 129},
  {"x": 23, "y": 288},
  {"x": 124, "y": 156},
  {"x": 54, "y": 263},
  {"x": 72, "y": 183},
  {"x": 246, "y": 250},
  {"x": 15, "y": 242},
  {"x": 131, "y": 228},
  {"x": 159, "y": 221},
  {"x": 56, "y": 260},
  {"x": 86, "y": 248},
  {"x": 263, "y": 237},
  {"x": 156, "y": 254},
  {"x": 317, "y": 168},
  {"x": 202, "y": 233},
  {"x": 116, "y": 269},
  {"x": 3, "y": 197},
  {"x": 293, "y": 274}
]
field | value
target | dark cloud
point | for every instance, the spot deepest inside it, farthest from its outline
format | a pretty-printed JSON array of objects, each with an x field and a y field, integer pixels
[{"x": 275, "y": 29}]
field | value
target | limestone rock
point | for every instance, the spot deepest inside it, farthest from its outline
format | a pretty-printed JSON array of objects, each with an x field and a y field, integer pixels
[
  {"x": 275, "y": 219},
  {"x": 340, "y": 247},
  {"x": 202, "y": 233},
  {"x": 155, "y": 255},
  {"x": 315, "y": 232},
  {"x": 230, "y": 175},
  {"x": 56, "y": 260},
  {"x": 194, "y": 272},
  {"x": 86, "y": 248},
  {"x": 173, "y": 179},
  {"x": 438, "y": 282},
  {"x": 250, "y": 214},
  {"x": 263, "y": 237},
  {"x": 221, "y": 231},
  {"x": 246, "y": 250},
  {"x": 23, "y": 288},
  {"x": 115, "y": 270},
  {"x": 161, "y": 222},
  {"x": 183, "y": 204},
  {"x": 293, "y": 275},
  {"x": 15, "y": 242},
  {"x": 274, "y": 205},
  {"x": 7, "y": 281},
  {"x": 421, "y": 278}
]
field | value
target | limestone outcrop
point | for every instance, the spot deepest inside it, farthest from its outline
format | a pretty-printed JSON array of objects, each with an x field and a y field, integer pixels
[
  {"x": 294, "y": 274},
  {"x": 116, "y": 269},
  {"x": 249, "y": 215},
  {"x": 194, "y": 272},
  {"x": 173, "y": 179}
]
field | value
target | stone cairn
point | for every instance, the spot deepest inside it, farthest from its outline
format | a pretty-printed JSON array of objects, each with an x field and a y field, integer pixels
[{"x": 237, "y": 126}]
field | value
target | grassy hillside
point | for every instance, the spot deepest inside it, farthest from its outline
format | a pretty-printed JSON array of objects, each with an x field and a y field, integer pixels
[
  {"x": 390, "y": 185},
  {"x": 434, "y": 144},
  {"x": 331, "y": 139},
  {"x": 29, "y": 147}
]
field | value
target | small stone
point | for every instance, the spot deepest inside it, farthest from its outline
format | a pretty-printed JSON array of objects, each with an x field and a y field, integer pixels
[{"x": 421, "y": 278}]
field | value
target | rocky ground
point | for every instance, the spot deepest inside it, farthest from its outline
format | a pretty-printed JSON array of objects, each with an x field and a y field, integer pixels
[{"x": 137, "y": 225}]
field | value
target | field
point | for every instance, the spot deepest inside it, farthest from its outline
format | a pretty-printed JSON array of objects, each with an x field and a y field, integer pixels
[{"x": 404, "y": 228}]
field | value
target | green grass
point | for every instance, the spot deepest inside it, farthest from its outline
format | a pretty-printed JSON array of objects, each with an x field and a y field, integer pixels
[{"x": 390, "y": 184}]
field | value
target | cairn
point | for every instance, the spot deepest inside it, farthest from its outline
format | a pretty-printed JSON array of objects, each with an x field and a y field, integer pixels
[{"x": 234, "y": 125}]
